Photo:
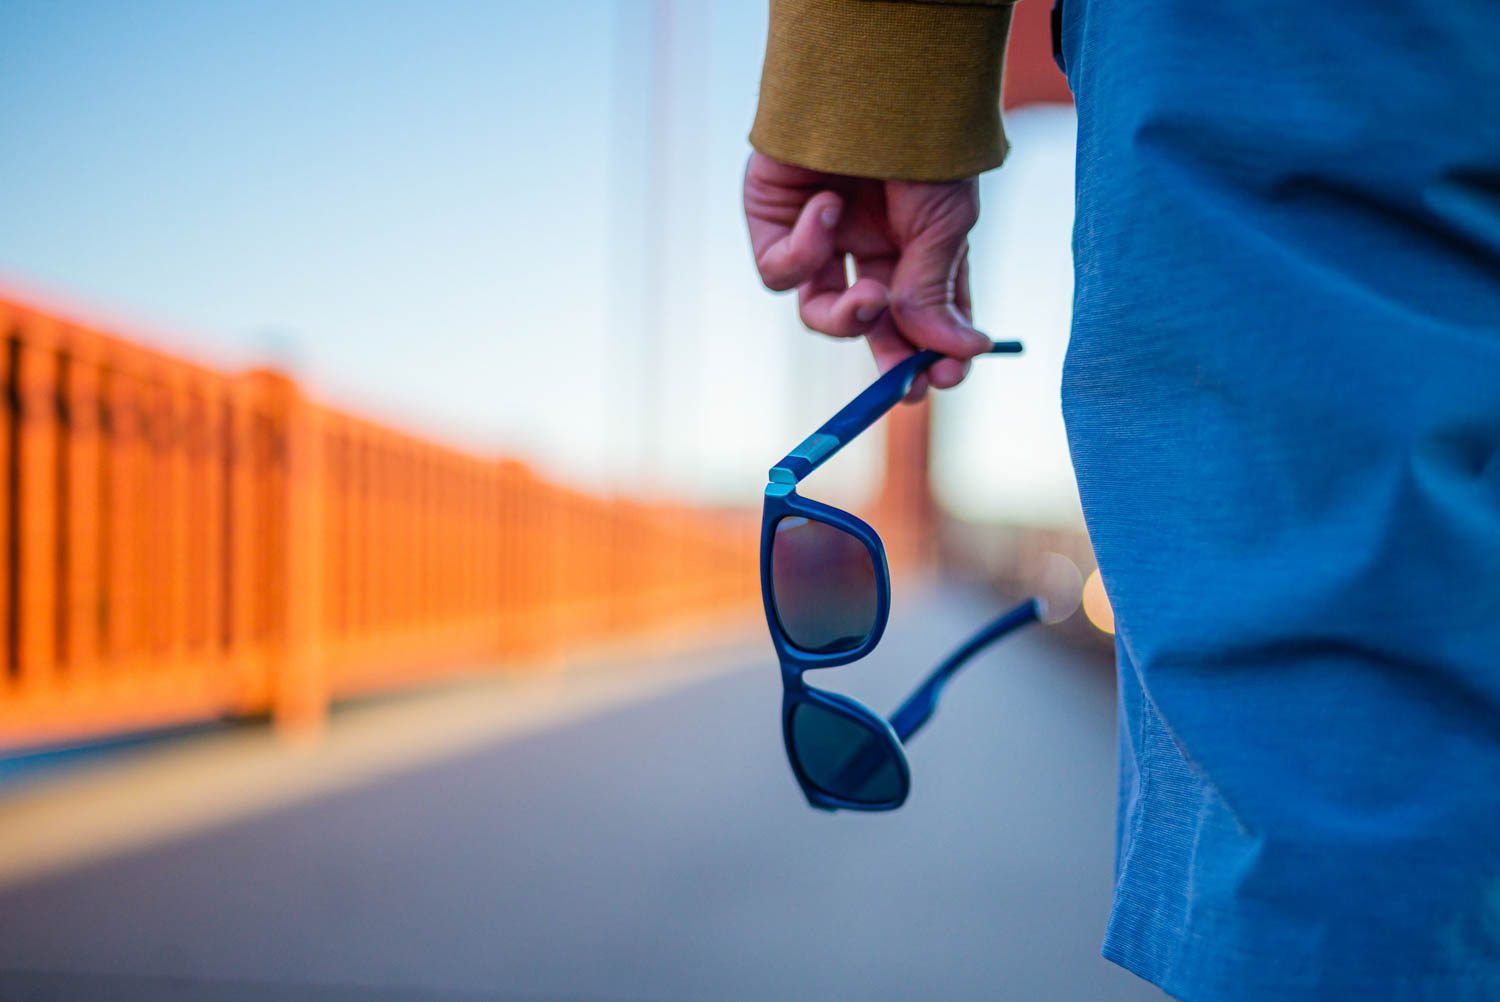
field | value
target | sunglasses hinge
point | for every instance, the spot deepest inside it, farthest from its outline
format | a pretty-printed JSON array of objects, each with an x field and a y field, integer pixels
[{"x": 780, "y": 488}]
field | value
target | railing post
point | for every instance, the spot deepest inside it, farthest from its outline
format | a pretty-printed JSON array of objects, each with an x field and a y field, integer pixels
[
  {"x": 118, "y": 572},
  {"x": 10, "y": 332},
  {"x": 35, "y": 359},
  {"x": 155, "y": 519},
  {"x": 83, "y": 594},
  {"x": 208, "y": 469},
  {"x": 299, "y": 690},
  {"x": 176, "y": 541},
  {"x": 238, "y": 639}
]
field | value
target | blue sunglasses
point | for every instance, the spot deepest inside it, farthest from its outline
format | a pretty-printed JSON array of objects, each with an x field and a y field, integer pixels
[{"x": 826, "y": 587}]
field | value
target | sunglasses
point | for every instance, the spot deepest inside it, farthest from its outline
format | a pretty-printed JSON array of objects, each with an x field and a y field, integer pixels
[{"x": 825, "y": 583}]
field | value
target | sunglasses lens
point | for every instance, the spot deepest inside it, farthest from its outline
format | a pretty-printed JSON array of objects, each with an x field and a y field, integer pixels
[
  {"x": 823, "y": 586},
  {"x": 843, "y": 757}
]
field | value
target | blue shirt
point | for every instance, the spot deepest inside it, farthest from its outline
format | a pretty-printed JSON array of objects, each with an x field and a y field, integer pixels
[{"x": 1283, "y": 400}]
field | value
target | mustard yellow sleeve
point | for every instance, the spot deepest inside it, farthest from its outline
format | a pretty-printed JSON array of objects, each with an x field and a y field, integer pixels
[{"x": 894, "y": 89}]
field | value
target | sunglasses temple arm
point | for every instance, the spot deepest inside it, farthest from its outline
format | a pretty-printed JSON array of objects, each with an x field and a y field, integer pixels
[
  {"x": 917, "y": 709},
  {"x": 919, "y": 706},
  {"x": 861, "y": 412}
]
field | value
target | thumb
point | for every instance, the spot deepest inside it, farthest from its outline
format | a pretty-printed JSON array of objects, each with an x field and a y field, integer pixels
[{"x": 925, "y": 297}]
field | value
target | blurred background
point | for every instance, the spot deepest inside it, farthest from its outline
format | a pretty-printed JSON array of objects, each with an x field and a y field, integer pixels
[{"x": 389, "y": 399}]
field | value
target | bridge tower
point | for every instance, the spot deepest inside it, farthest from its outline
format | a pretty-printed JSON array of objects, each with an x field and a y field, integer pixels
[{"x": 905, "y": 501}]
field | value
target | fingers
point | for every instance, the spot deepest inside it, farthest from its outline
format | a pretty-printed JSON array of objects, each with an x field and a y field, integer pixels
[
  {"x": 828, "y": 304},
  {"x": 786, "y": 257},
  {"x": 961, "y": 298},
  {"x": 912, "y": 291},
  {"x": 924, "y": 296},
  {"x": 886, "y": 343},
  {"x": 929, "y": 297},
  {"x": 889, "y": 345},
  {"x": 950, "y": 371}
]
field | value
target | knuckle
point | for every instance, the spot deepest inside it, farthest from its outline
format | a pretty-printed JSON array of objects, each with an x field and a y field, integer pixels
[{"x": 909, "y": 305}]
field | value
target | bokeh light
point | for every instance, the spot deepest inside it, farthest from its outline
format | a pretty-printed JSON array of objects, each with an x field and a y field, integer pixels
[{"x": 1096, "y": 604}]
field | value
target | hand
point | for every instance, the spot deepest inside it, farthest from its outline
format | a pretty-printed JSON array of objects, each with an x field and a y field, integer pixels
[{"x": 909, "y": 241}]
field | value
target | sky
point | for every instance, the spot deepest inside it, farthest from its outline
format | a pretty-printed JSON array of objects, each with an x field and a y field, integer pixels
[{"x": 514, "y": 227}]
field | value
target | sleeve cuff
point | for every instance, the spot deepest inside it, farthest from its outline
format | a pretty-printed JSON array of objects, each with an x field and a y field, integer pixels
[{"x": 892, "y": 90}]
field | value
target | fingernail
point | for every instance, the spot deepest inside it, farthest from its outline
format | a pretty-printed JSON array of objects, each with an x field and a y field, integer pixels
[
  {"x": 867, "y": 313},
  {"x": 830, "y": 216}
]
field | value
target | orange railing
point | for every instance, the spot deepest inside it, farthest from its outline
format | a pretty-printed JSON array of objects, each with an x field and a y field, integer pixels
[{"x": 179, "y": 543}]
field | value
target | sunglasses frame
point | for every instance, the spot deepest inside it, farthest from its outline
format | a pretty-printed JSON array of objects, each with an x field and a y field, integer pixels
[{"x": 782, "y": 501}]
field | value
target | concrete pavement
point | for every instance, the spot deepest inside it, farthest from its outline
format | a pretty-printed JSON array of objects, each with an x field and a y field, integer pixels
[{"x": 658, "y": 850}]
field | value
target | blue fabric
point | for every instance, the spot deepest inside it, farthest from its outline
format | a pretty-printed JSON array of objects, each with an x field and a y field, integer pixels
[{"x": 1283, "y": 400}]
